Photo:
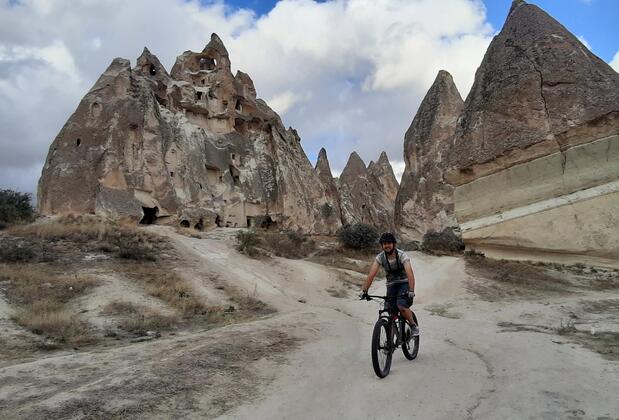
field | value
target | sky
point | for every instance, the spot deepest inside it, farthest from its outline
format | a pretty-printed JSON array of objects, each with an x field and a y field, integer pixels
[{"x": 347, "y": 74}]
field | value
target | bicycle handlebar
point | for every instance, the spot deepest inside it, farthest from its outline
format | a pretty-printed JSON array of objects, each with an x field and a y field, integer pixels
[{"x": 369, "y": 297}]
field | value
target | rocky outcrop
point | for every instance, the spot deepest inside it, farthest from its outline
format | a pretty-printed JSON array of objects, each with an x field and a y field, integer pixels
[
  {"x": 195, "y": 144},
  {"x": 331, "y": 209},
  {"x": 535, "y": 160},
  {"x": 382, "y": 172},
  {"x": 425, "y": 201},
  {"x": 367, "y": 194}
]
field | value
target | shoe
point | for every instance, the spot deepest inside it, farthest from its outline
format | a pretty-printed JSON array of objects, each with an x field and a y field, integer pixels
[{"x": 415, "y": 330}]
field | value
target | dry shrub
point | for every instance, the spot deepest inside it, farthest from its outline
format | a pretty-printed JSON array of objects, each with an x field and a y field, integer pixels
[
  {"x": 28, "y": 284},
  {"x": 247, "y": 243},
  {"x": 50, "y": 318},
  {"x": 41, "y": 295},
  {"x": 448, "y": 241},
  {"x": 12, "y": 252},
  {"x": 95, "y": 233},
  {"x": 138, "y": 319},
  {"x": 169, "y": 287},
  {"x": 286, "y": 244}
]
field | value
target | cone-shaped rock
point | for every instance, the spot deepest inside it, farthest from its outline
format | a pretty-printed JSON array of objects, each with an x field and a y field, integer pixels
[
  {"x": 362, "y": 197},
  {"x": 425, "y": 201},
  {"x": 383, "y": 173},
  {"x": 194, "y": 144},
  {"x": 536, "y": 82},
  {"x": 331, "y": 209},
  {"x": 536, "y": 152}
]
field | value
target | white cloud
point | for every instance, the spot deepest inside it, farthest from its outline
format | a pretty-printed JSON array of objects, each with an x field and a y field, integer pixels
[
  {"x": 348, "y": 74},
  {"x": 614, "y": 63},
  {"x": 584, "y": 41},
  {"x": 282, "y": 102},
  {"x": 398, "y": 169}
]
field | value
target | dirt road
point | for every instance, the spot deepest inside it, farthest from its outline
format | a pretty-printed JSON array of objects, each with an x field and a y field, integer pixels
[{"x": 478, "y": 358}]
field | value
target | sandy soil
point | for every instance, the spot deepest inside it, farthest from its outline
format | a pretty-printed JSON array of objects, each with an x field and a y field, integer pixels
[{"x": 480, "y": 357}]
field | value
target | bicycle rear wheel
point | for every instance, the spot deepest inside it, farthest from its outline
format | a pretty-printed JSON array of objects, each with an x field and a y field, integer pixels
[
  {"x": 410, "y": 345},
  {"x": 381, "y": 348}
]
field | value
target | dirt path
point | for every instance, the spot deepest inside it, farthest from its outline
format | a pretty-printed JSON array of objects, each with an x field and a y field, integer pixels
[{"x": 312, "y": 359}]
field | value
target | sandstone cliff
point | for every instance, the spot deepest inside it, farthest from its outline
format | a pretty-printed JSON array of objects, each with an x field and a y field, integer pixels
[
  {"x": 367, "y": 194},
  {"x": 535, "y": 159},
  {"x": 196, "y": 144},
  {"x": 331, "y": 209},
  {"x": 425, "y": 200}
]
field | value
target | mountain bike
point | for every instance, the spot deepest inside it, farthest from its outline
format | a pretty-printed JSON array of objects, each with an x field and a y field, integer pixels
[{"x": 390, "y": 332}]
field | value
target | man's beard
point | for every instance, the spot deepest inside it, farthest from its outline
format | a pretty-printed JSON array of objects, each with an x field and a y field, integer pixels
[{"x": 390, "y": 252}]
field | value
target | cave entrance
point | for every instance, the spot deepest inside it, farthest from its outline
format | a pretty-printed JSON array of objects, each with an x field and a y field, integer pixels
[{"x": 150, "y": 215}]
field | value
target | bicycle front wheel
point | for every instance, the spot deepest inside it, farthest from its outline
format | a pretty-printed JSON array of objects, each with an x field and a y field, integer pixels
[{"x": 381, "y": 348}]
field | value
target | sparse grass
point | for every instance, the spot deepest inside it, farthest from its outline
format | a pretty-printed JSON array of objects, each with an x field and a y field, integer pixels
[
  {"x": 138, "y": 319},
  {"x": 605, "y": 343},
  {"x": 345, "y": 258},
  {"x": 50, "y": 318},
  {"x": 255, "y": 243},
  {"x": 513, "y": 279},
  {"x": 41, "y": 295},
  {"x": 169, "y": 287},
  {"x": 28, "y": 284},
  {"x": 14, "y": 252},
  {"x": 87, "y": 233}
]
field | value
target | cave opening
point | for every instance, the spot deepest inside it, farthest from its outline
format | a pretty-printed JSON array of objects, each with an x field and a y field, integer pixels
[
  {"x": 150, "y": 215},
  {"x": 185, "y": 223},
  {"x": 200, "y": 225}
]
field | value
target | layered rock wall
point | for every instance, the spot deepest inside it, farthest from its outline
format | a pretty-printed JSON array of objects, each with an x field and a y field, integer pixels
[{"x": 535, "y": 157}]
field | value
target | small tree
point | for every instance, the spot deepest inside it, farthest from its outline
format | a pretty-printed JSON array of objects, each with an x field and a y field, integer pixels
[
  {"x": 358, "y": 236},
  {"x": 15, "y": 207}
]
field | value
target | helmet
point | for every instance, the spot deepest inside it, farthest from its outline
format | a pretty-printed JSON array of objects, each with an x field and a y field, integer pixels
[{"x": 387, "y": 237}]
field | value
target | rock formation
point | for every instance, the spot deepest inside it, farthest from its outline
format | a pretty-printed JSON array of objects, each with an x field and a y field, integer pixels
[
  {"x": 535, "y": 160},
  {"x": 367, "y": 195},
  {"x": 331, "y": 209},
  {"x": 425, "y": 201},
  {"x": 195, "y": 144}
]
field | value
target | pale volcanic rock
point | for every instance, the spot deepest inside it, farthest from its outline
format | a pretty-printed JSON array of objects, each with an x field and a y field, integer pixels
[
  {"x": 535, "y": 159},
  {"x": 382, "y": 172},
  {"x": 536, "y": 82},
  {"x": 425, "y": 201},
  {"x": 195, "y": 144},
  {"x": 331, "y": 209},
  {"x": 363, "y": 198}
]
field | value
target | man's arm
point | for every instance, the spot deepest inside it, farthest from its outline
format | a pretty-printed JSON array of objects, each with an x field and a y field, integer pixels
[
  {"x": 409, "y": 274},
  {"x": 373, "y": 271}
]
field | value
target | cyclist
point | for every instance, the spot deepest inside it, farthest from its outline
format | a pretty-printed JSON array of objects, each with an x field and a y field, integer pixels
[{"x": 400, "y": 278}]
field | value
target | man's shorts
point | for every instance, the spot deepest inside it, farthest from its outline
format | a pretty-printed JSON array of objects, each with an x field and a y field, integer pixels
[{"x": 397, "y": 296}]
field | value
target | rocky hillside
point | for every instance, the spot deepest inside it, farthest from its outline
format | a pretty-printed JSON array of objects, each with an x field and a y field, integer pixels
[
  {"x": 535, "y": 157},
  {"x": 425, "y": 200},
  {"x": 194, "y": 145},
  {"x": 367, "y": 194}
]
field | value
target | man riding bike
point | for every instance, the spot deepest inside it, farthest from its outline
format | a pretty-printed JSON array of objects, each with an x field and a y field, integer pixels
[{"x": 400, "y": 278}]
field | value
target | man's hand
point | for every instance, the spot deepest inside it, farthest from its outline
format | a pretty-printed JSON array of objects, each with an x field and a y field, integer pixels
[
  {"x": 364, "y": 295},
  {"x": 411, "y": 295}
]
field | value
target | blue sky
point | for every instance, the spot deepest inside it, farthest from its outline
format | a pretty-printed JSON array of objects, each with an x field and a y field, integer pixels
[{"x": 595, "y": 20}]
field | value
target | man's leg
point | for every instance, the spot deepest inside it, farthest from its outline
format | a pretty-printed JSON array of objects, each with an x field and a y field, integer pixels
[{"x": 407, "y": 314}]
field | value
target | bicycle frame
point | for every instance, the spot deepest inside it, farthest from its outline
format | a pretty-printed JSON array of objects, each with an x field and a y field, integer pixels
[{"x": 394, "y": 318}]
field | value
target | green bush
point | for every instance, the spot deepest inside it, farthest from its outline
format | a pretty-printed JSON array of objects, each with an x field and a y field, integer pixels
[
  {"x": 358, "y": 236},
  {"x": 13, "y": 252},
  {"x": 15, "y": 207}
]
